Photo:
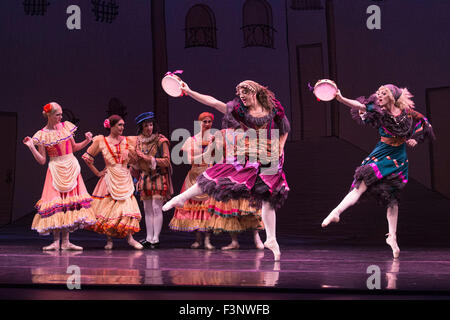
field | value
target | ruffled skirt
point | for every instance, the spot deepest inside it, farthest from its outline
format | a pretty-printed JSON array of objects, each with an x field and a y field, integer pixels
[
  {"x": 115, "y": 218},
  {"x": 206, "y": 214},
  {"x": 194, "y": 215},
  {"x": 385, "y": 173},
  {"x": 233, "y": 181},
  {"x": 69, "y": 210},
  {"x": 233, "y": 216}
]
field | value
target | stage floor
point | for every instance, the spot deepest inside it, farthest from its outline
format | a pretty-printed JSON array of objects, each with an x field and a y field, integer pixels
[{"x": 306, "y": 270}]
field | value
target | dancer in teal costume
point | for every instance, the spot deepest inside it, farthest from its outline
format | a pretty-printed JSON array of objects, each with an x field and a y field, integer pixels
[{"x": 384, "y": 173}]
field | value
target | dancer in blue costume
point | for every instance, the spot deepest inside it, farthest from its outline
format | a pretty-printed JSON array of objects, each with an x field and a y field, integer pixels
[{"x": 384, "y": 173}]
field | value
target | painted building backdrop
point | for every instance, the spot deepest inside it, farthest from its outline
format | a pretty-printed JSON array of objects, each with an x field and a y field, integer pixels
[{"x": 115, "y": 61}]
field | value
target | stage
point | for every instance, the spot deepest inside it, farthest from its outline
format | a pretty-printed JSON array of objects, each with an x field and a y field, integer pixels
[
  {"x": 308, "y": 269},
  {"x": 349, "y": 260}
]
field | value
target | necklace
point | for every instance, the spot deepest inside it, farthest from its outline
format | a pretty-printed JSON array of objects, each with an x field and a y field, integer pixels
[
  {"x": 146, "y": 144},
  {"x": 118, "y": 158}
]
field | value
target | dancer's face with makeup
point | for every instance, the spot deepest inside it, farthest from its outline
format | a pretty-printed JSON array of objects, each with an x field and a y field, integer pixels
[
  {"x": 247, "y": 97},
  {"x": 118, "y": 128},
  {"x": 55, "y": 117},
  {"x": 147, "y": 128},
  {"x": 383, "y": 97},
  {"x": 206, "y": 123}
]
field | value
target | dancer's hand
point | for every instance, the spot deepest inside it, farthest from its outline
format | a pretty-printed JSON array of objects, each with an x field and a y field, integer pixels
[
  {"x": 101, "y": 173},
  {"x": 338, "y": 95},
  {"x": 88, "y": 136},
  {"x": 411, "y": 143},
  {"x": 28, "y": 142},
  {"x": 132, "y": 157},
  {"x": 140, "y": 154},
  {"x": 185, "y": 88}
]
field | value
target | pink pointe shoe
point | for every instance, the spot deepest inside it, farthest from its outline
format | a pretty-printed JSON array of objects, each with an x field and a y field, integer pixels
[
  {"x": 274, "y": 247},
  {"x": 70, "y": 246},
  {"x": 174, "y": 202},
  {"x": 392, "y": 241},
  {"x": 332, "y": 217},
  {"x": 195, "y": 245},
  {"x": 53, "y": 247},
  {"x": 136, "y": 245},
  {"x": 231, "y": 246},
  {"x": 209, "y": 246}
]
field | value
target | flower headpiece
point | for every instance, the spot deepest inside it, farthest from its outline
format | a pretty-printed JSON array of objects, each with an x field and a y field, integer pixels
[
  {"x": 106, "y": 124},
  {"x": 48, "y": 108}
]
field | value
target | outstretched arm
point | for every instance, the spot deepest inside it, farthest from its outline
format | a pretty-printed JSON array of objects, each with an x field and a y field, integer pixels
[
  {"x": 39, "y": 155},
  {"x": 205, "y": 99},
  {"x": 349, "y": 102}
]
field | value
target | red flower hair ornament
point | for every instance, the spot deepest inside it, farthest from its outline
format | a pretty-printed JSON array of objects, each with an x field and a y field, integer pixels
[
  {"x": 106, "y": 124},
  {"x": 47, "y": 108}
]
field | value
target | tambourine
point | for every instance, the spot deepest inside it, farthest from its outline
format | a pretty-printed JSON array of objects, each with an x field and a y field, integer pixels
[
  {"x": 171, "y": 83},
  {"x": 325, "y": 90}
]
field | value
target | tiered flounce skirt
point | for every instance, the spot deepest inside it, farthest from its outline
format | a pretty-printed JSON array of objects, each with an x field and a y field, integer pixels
[
  {"x": 63, "y": 210},
  {"x": 115, "y": 218}
]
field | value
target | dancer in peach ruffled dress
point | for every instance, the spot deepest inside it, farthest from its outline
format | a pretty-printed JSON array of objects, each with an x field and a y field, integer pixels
[
  {"x": 116, "y": 208},
  {"x": 65, "y": 204}
]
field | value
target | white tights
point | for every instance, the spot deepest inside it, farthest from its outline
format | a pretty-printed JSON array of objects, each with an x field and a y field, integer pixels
[
  {"x": 269, "y": 220},
  {"x": 268, "y": 216},
  {"x": 349, "y": 200},
  {"x": 153, "y": 219},
  {"x": 180, "y": 199},
  {"x": 392, "y": 218}
]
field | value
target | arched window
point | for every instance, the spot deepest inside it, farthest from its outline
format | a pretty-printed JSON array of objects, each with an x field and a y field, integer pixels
[
  {"x": 105, "y": 11},
  {"x": 200, "y": 27},
  {"x": 257, "y": 24},
  {"x": 306, "y": 5},
  {"x": 35, "y": 7}
]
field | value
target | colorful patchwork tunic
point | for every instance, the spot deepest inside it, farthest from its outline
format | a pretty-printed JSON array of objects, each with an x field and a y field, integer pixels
[
  {"x": 250, "y": 172},
  {"x": 385, "y": 170},
  {"x": 155, "y": 179},
  {"x": 65, "y": 202},
  {"x": 114, "y": 205}
]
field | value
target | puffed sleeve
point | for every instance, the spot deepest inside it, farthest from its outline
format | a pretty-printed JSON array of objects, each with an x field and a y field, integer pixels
[
  {"x": 163, "y": 144},
  {"x": 70, "y": 127},
  {"x": 421, "y": 129},
  {"x": 132, "y": 144},
  {"x": 230, "y": 118},
  {"x": 371, "y": 116},
  {"x": 93, "y": 150},
  {"x": 38, "y": 138},
  {"x": 280, "y": 119},
  {"x": 132, "y": 141}
]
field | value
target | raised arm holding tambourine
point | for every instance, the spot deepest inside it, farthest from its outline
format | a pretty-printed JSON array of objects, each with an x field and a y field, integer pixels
[
  {"x": 255, "y": 108},
  {"x": 384, "y": 172}
]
